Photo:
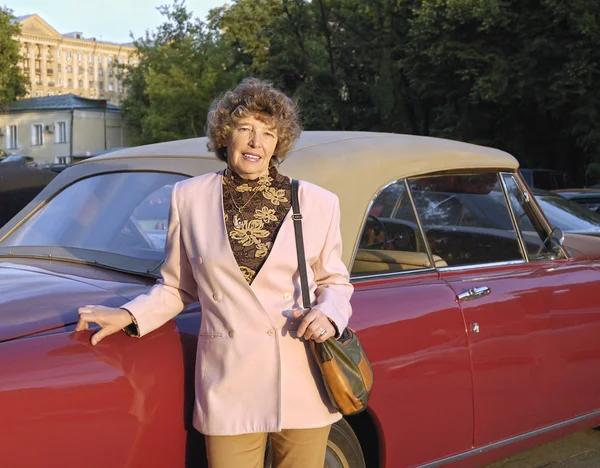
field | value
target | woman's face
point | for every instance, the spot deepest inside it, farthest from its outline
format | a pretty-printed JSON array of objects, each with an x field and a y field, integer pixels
[{"x": 251, "y": 145}]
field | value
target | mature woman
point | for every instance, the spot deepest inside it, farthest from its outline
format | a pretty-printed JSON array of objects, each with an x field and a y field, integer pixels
[{"x": 230, "y": 245}]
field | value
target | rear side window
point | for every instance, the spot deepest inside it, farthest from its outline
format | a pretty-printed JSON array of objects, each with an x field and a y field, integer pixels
[
  {"x": 391, "y": 241},
  {"x": 466, "y": 219}
]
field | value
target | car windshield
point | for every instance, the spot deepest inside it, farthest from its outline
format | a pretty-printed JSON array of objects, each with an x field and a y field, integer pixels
[
  {"x": 124, "y": 214},
  {"x": 568, "y": 215}
]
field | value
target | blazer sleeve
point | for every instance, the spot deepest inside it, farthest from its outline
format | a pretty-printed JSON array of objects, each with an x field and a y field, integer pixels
[
  {"x": 174, "y": 290},
  {"x": 332, "y": 278}
]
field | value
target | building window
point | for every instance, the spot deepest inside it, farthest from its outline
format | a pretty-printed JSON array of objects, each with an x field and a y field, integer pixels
[
  {"x": 120, "y": 87},
  {"x": 110, "y": 72},
  {"x": 90, "y": 84},
  {"x": 38, "y": 93},
  {"x": 59, "y": 66},
  {"x": 110, "y": 59},
  {"x": 58, "y": 53},
  {"x": 90, "y": 57},
  {"x": 101, "y": 86},
  {"x": 50, "y": 93},
  {"x": 37, "y": 135},
  {"x": 64, "y": 160},
  {"x": 110, "y": 86},
  {"x": 69, "y": 83},
  {"x": 69, "y": 68},
  {"x": 100, "y": 72},
  {"x": 120, "y": 60},
  {"x": 69, "y": 54},
  {"x": 60, "y": 132},
  {"x": 99, "y": 58},
  {"x": 59, "y": 81},
  {"x": 79, "y": 56},
  {"x": 38, "y": 66},
  {"x": 90, "y": 70},
  {"x": 12, "y": 137},
  {"x": 80, "y": 84}
]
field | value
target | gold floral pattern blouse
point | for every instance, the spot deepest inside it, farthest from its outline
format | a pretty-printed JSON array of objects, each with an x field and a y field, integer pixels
[{"x": 254, "y": 211}]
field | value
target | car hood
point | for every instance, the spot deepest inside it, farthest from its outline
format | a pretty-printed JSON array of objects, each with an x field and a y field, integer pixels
[
  {"x": 582, "y": 246},
  {"x": 37, "y": 296}
]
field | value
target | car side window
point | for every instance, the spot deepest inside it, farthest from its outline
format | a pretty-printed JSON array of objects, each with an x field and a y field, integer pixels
[
  {"x": 391, "y": 241},
  {"x": 531, "y": 229},
  {"x": 466, "y": 219}
]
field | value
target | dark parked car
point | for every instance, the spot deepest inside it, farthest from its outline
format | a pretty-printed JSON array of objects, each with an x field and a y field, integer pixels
[
  {"x": 481, "y": 324},
  {"x": 546, "y": 179},
  {"x": 568, "y": 215},
  {"x": 588, "y": 198},
  {"x": 19, "y": 184}
]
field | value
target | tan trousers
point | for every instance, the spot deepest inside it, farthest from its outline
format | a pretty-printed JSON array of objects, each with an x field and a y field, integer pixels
[{"x": 292, "y": 448}]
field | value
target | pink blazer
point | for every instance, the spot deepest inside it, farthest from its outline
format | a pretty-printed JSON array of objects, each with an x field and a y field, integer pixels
[{"x": 252, "y": 373}]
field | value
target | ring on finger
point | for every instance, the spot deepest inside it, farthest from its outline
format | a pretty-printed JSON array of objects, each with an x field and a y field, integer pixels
[{"x": 323, "y": 331}]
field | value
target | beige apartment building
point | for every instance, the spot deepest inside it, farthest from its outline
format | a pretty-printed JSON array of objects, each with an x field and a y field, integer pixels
[
  {"x": 61, "y": 129},
  {"x": 71, "y": 64}
]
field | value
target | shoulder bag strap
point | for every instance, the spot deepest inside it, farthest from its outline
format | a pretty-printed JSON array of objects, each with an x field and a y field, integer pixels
[{"x": 297, "y": 217}]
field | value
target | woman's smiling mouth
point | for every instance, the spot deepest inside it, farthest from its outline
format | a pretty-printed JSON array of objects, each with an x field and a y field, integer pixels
[{"x": 252, "y": 157}]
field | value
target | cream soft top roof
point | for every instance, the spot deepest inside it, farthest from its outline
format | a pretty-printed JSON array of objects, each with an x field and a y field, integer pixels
[{"x": 354, "y": 165}]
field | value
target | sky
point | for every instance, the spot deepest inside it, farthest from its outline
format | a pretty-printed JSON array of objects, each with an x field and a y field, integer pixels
[{"x": 106, "y": 20}]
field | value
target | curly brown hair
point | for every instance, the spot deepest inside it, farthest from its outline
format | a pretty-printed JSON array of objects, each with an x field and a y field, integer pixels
[{"x": 258, "y": 98}]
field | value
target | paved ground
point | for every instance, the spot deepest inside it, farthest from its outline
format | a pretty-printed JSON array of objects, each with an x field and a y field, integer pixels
[{"x": 581, "y": 450}]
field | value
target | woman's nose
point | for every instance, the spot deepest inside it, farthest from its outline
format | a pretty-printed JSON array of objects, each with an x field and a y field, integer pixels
[{"x": 255, "y": 139}]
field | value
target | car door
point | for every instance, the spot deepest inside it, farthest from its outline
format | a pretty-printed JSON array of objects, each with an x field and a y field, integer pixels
[
  {"x": 413, "y": 332},
  {"x": 521, "y": 306}
]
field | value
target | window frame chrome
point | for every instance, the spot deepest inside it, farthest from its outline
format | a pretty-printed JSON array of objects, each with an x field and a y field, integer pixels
[
  {"x": 512, "y": 215},
  {"x": 537, "y": 212},
  {"x": 431, "y": 267}
]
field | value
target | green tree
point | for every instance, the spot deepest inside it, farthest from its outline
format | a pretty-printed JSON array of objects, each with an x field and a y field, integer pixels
[
  {"x": 13, "y": 83},
  {"x": 182, "y": 67},
  {"x": 522, "y": 76}
]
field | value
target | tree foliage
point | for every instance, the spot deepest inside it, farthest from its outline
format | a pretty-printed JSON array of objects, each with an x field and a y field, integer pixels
[
  {"x": 13, "y": 83},
  {"x": 519, "y": 75}
]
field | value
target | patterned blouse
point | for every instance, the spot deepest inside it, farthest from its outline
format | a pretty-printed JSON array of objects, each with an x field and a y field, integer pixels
[{"x": 254, "y": 211}]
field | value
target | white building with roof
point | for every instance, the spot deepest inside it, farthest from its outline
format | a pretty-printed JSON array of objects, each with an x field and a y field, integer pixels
[
  {"x": 71, "y": 63},
  {"x": 61, "y": 129}
]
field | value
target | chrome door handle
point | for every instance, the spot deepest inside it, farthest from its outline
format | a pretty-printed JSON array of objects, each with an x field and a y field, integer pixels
[{"x": 474, "y": 293}]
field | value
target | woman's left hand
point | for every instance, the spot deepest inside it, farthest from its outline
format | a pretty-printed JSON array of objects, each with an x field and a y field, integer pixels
[{"x": 315, "y": 326}]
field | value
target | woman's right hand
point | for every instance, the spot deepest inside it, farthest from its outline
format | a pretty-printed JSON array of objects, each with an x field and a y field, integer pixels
[{"x": 110, "y": 319}]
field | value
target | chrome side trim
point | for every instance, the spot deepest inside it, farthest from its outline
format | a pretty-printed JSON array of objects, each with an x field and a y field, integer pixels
[
  {"x": 512, "y": 440},
  {"x": 512, "y": 213},
  {"x": 392, "y": 274},
  {"x": 482, "y": 265}
]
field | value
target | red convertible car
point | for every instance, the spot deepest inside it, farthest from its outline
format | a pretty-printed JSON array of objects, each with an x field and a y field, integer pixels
[{"x": 483, "y": 331}]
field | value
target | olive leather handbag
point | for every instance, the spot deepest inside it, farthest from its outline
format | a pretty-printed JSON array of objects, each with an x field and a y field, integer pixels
[{"x": 345, "y": 368}]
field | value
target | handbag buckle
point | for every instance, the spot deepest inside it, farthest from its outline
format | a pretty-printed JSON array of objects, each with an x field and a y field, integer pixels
[{"x": 297, "y": 217}]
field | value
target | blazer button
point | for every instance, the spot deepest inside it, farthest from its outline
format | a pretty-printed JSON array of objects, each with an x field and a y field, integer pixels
[
  {"x": 287, "y": 296},
  {"x": 216, "y": 297},
  {"x": 231, "y": 334},
  {"x": 271, "y": 332},
  {"x": 200, "y": 260}
]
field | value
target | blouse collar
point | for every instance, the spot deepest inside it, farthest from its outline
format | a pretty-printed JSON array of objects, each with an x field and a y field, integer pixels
[{"x": 234, "y": 178}]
